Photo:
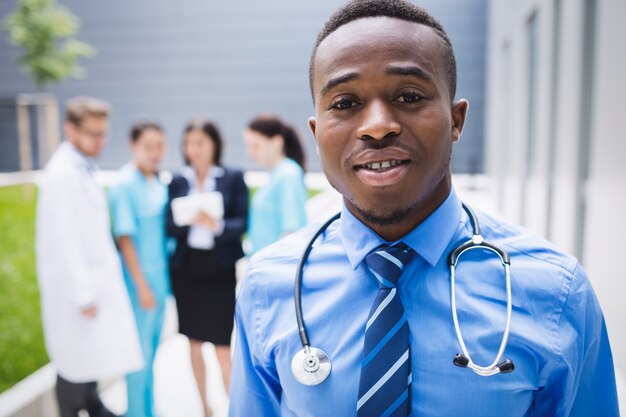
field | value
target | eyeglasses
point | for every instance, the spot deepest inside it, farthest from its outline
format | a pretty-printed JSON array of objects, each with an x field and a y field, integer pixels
[{"x": 93, "y": 134}]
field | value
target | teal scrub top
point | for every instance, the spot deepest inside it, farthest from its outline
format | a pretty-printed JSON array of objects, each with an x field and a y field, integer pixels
[
  {"x": 138, "y": 210},
  {"x": 278, "y": 208}
]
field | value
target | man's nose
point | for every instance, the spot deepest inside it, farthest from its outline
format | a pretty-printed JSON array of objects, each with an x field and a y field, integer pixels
[{"x": 378, "y": 121}]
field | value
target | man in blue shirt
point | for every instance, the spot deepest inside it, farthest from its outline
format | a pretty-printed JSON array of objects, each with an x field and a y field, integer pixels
[{"x": 376, "y": 286}]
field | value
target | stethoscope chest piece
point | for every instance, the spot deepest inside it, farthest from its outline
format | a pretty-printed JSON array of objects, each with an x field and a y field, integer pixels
[{"x": 310, "y": 366}]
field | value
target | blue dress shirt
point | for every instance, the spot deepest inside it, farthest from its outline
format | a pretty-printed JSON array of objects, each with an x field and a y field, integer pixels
[{"x": 558, "y": 339}]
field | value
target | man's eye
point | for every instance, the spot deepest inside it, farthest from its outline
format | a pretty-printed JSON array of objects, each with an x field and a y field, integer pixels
[
  {"x": 410, "y": 98},
  {"x": 343, "y": 104}
]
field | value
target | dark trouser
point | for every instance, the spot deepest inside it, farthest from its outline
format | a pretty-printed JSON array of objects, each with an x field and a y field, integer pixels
[{"x": 74, "y": 397}]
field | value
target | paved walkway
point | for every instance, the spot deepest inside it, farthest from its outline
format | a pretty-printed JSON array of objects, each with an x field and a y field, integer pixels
[{"x": 175, "y": 390}]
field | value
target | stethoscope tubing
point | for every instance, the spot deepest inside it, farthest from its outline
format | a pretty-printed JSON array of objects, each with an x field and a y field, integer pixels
[
  {"x": 302, "y": 331},
  {"x": 310, "y": 358},
  {"x": 493, "y": 368}
]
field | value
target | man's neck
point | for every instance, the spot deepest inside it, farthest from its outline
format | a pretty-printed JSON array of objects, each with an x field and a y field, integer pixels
[
  {"x": 79, "y": 151},
  {"x": 393, "y": 231}
]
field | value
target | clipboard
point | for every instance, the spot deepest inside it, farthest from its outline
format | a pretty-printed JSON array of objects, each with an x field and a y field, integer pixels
[{"x": 185, "y": 209}]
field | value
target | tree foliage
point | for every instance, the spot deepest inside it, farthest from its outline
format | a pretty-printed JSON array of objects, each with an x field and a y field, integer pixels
[{"x": 45, "y": 31}]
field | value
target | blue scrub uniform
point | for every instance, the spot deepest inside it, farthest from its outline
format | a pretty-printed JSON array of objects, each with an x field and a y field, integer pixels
[
  {"x": 138, "y": 211},
  {"x": 278, "y": 208}
]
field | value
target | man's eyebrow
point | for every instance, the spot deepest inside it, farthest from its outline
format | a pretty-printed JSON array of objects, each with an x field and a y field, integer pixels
[
  {"x": 340, "y": 79},
  {"x": 411, "y": 70}
]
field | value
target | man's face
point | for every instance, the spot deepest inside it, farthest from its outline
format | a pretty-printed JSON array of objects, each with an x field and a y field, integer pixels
[
  {"x": 90, "y": 136},
  {"x": 384, "y": 121}
]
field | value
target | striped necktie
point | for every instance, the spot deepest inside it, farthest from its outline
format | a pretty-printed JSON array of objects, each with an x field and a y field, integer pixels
[{"x": 384, "y": 387}]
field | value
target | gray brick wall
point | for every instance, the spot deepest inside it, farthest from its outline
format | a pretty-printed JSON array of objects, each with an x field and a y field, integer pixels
[{"x": 170, "y": 61}]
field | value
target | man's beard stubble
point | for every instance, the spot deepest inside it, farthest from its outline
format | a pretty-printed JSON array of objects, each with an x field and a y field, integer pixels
[{"x": 384, "y": 218}]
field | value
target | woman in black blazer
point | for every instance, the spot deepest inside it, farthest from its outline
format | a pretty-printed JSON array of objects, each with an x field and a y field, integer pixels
[{"x": 202, "y": 267}]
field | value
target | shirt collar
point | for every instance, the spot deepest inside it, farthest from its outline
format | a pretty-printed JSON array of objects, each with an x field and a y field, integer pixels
[
  {"x": 429, "y": 239},
  {"x": 190, "y": 175}
]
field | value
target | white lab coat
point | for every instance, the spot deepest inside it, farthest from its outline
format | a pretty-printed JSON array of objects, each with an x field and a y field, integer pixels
[{"x": 78, "y": 266}]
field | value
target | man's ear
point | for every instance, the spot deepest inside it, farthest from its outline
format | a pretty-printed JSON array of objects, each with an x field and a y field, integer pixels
[
  {"x": 312, "y": 126},
  {"x": 69, "y": 129},
  {"x": 459, "y": 114}
]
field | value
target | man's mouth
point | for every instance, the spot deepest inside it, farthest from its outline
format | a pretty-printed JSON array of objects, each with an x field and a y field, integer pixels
[
  {"x": 381, "y": 166},
  {"x": 381, "y": 173}
]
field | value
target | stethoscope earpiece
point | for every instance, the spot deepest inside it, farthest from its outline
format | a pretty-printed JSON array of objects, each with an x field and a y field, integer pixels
[
  {"x": 460, "y": 360},
  {"x": 507, "y": 366}
]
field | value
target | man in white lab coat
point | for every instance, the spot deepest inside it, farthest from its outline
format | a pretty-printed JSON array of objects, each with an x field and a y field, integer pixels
[{"x": 88, "y": 323}]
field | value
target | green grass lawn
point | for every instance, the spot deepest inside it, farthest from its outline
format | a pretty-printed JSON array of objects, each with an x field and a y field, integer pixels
[
  {"x": 310, "y": 192},
  {"x": 22, "y": 349}
]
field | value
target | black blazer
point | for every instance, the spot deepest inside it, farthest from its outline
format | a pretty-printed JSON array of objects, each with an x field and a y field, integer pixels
[{"x": 228, "y": 245}]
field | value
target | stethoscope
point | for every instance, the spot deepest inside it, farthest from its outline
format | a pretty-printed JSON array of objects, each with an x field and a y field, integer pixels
[{"x": 311, "y": 365}]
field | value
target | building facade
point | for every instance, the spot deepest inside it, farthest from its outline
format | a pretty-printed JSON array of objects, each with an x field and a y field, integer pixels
[
  {"x": 555, "y": 142},
  {"x": 228, "y": 60}
]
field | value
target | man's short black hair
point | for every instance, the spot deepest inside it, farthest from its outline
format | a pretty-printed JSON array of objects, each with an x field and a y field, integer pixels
[{"x": 400, "y": 9}]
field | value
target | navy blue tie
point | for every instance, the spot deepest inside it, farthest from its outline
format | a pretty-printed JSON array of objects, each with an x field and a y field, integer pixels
[{"x": 385, "y": 384}]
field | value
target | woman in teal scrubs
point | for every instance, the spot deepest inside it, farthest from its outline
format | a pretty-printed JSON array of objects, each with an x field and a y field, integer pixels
[
  {"x": 278, "y": 208},
  {"x": 138, "y": 203}
]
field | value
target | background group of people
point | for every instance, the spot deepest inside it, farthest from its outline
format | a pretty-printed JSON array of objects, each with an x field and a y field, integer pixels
[{"x": 104, "y": 294}]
